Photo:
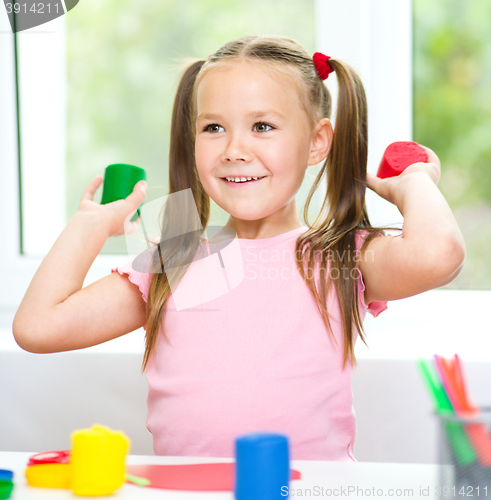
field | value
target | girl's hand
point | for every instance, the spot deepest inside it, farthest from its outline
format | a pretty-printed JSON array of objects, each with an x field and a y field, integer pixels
[
  {"x": 113, "y": 215},
  {"x": 390, "y": 187}
]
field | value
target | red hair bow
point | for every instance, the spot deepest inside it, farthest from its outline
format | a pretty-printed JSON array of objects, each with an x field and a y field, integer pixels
[{"x": 321, "y": 65}]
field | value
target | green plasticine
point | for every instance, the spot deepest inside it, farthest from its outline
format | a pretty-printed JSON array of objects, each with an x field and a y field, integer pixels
[{"x": 6, "y": 488}]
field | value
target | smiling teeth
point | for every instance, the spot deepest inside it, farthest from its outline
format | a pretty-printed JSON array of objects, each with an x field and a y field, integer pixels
[{"x": 240, "y": 179}]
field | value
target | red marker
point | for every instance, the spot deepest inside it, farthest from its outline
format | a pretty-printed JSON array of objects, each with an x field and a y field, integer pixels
[
  {"x": 452, "y": 376},
  {"x": 398, "y": 156}
]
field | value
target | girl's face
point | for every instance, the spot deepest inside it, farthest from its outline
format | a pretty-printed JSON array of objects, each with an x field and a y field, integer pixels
[{"x": 252, "y": 125}]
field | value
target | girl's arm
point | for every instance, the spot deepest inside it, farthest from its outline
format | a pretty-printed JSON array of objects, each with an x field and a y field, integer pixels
[
  {"x": 431, "y": 251},
  {"x": 56, "y": 314}
]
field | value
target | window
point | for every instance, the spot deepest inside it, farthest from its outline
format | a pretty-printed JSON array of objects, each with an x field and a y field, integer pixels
[
  {"x": 96, "y": 87},
  {"x": 452, "y": 115}
]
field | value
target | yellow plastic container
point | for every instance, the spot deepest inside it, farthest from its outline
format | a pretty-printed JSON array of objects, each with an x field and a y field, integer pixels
[
  {"x": 48, "y": 475},
  {"x": 98, "y": 461}
]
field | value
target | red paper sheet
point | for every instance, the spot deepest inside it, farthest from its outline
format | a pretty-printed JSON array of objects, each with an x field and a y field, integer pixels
[{"x": 191, "y": 477}]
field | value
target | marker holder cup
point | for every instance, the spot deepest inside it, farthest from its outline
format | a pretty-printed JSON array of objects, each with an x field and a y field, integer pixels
[{"x": 465, "y": 454}]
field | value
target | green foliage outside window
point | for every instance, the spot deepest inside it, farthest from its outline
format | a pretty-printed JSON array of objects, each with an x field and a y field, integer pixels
[{"x": 452, "y": 116}]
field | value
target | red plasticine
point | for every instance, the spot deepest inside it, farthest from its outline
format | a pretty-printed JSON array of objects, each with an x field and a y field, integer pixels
[
  {"x": 191, "y": 477},
  {"x": 398, "y": 156},
  {"x": 50, "y": 457}
]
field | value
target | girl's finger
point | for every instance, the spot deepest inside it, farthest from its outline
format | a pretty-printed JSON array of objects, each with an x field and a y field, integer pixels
[
  {"x": 432, "y": 157},
  {"x": 373, "y": 181},
  {"x": 131, "y": 226},
  {"x": 138, "y": 194},
  {"x": 90, "y": 190},
  {"x": 380, "y": 186}
]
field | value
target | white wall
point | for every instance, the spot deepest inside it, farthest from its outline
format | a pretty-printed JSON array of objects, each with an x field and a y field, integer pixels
[{"x": 44, "y": 397}]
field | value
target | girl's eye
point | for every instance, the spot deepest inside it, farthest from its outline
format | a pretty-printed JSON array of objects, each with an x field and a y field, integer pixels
[
  {"x": 208, "y": 128},
  {"x": 261, "y": 124}
]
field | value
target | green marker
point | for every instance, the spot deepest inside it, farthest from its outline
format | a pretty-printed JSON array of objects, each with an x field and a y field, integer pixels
[
  {"x": 140, "y": 481},
  {"x": 462, "y": 448}
]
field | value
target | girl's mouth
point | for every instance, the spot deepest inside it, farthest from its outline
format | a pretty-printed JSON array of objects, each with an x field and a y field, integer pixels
[{"x": 249, "y": 181}]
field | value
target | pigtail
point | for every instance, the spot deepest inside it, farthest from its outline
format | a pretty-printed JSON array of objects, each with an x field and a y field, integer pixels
[
  {"x": 346, "y": 187},
  {"x": 182, "y": 164},
  {"x": 180, "y": 230},
  {"x": 344, "y": 211},
  {"x": 347, "y": 164}
]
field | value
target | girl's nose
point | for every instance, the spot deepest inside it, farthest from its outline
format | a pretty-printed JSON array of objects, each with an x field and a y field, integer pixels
[{"x": 236, "y": 150}]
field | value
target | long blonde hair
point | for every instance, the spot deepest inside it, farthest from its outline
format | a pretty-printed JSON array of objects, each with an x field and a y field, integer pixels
[{"x": 332, "y": 235}]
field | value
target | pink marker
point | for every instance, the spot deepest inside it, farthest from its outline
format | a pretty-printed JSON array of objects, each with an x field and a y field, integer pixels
[
  {"x": 398, "y": 156},
  {"x": 452, "y": 376}
]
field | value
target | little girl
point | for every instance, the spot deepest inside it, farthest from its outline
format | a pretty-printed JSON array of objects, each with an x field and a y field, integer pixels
[{"x": 270, "y": 345}]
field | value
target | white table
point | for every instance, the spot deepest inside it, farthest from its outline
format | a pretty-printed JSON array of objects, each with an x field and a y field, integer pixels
[{"x": 316, "y": 475}]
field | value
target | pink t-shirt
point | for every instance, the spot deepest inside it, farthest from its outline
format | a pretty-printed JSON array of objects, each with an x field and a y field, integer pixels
[{"x": 255, "y": 357}]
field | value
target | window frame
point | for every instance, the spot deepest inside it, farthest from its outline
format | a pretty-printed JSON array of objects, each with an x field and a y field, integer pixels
[
  {"x": 378, "y": 45},
  {"x": 36, "y": 155}
]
